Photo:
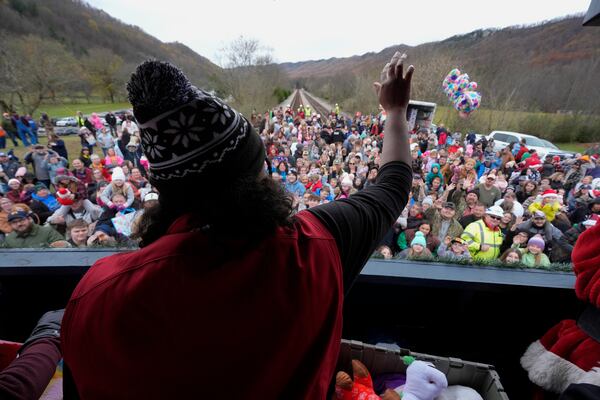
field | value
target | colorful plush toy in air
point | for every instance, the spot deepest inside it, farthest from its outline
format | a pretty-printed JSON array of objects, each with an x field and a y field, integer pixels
[{"x": 461, "y": 92}]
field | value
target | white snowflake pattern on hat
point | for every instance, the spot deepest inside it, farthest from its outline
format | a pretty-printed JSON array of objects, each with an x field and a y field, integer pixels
[{"x": 184, "y": 130}]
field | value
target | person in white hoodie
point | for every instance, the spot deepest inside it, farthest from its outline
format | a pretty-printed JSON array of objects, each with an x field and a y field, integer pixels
[{"x": 118, "y": 184}]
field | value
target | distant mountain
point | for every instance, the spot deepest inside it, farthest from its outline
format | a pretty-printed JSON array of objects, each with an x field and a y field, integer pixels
[
  {"x": 81, "y": 27},
  {"x": 550, "y": 66}
]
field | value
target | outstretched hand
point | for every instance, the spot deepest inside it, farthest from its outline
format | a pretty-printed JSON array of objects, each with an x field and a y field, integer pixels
[{"x": 393, "y": 90}]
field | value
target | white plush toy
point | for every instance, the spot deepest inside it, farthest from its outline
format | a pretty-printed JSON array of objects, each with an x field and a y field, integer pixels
[
  {"x": 458, "y": 392},
  {"x": 425, "y": 382}
]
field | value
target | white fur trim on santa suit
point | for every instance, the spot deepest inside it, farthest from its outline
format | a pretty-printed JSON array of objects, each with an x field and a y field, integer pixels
[{"x": 552, "y": 372}]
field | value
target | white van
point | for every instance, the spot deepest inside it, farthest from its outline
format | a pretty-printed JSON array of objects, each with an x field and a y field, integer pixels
[
  {"x": 420, "y": 113},
  {"x": 542, "y": 146}
]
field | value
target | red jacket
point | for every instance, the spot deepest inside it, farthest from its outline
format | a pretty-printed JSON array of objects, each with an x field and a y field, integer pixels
[
  {"x": 533, "y": 160},
  {"x": 187, "y": 317},
  {"x": 314, "y": 187},
  {"x": 443, "y": 138},
  {"x": 522, "y": 151},
  {"x": 105, "y": 173},
  {"x": 85, "y": 176}
]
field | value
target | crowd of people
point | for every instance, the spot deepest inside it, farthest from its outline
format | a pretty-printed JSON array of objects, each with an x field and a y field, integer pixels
[
  {"x": 51, "y": 200},
  {"x": 468, "y": 201}
]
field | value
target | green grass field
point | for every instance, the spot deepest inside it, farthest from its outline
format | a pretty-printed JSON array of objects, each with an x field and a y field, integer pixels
[
  {"x": 483, "y": 119},
  {"x": 72, "y": 142},
  {"x": 69, "y": 110},
  {"x": 574, "y": 147}
]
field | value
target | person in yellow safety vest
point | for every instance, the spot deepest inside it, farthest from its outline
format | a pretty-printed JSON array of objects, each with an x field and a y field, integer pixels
[
  {"x": 307, "y": 111},
  {"x": 337, "y": 109},
  {"x": 80, "y": 120},
  {"x": 484, "y": 237}
]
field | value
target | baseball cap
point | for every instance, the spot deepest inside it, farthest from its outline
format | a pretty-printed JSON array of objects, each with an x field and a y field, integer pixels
[
  {"x": 2, "y": 154},
  {"x": 539, "y": 214},
  {"x": 449, "y": 204},
  {"x": 151, "y": 196},
  {"x": 17, "y": 214}
]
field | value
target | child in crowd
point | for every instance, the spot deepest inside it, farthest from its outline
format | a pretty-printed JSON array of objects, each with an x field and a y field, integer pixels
[
  {"x": 533, "y": 255},
  {"x": 118, "y": 185},
  {"x": 418, "y": 249},
  {"x": 454, "y": 249}
]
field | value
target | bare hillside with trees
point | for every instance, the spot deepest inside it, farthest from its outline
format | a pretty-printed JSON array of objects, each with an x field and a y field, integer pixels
[{"x": 549, "y": 67}]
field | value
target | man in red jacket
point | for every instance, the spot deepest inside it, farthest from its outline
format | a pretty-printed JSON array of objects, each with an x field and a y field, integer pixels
[
  {"x": 230, "y": 293},
  {"x": 522, "y": 150}
]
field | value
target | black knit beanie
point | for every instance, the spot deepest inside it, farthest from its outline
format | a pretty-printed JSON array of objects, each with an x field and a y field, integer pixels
[{"x": 189, "y": 135}]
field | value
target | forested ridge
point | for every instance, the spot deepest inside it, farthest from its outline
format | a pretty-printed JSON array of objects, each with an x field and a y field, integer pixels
[
  {"x": 67, "y": 50},
  {"x": 550, "y": 66}
]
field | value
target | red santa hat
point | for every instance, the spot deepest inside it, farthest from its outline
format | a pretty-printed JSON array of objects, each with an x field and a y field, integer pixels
[
  {"x": 549, "y": 193},
  {"x": 568, "y": 353},
  {"x": 64, "y": 196}
]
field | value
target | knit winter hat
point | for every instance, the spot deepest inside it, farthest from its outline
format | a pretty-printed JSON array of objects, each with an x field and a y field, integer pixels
[
  {"x": 118, "y": 174},
  {"x": 40, "y": 186},
  {"x": 537, "y": 241},
  {"x": 419, "y": 239},
  {"x": 346, "y": 181},
  {"x": 427, "y": 200},
  {"x": 64, "y": 196},
  {"x": 109, "y": 230},
  {"x": 13, "y": 180},
  {"x": 187, "y": 132}
]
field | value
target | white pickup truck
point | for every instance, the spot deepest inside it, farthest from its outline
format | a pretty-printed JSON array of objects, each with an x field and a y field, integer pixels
[{"x": 542, "y": 146}]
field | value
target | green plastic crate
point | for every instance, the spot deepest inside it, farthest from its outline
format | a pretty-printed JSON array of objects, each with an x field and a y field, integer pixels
[{"x": 380, "y": 360}]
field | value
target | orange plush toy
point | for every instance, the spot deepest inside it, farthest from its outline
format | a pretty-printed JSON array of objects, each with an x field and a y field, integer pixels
[{"x": 360, "y": 388}]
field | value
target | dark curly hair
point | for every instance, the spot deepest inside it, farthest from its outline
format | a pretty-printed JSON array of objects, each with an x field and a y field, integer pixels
[{"x": 247, "y": 207}]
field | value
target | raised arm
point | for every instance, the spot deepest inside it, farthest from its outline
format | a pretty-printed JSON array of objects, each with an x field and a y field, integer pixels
[
  {"x": 359, "y": 223},
  {"x": 394, "y": 93}
]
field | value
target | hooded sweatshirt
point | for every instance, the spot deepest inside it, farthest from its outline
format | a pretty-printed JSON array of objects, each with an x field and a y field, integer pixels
[
  {"x": 432, "y": 174},
  {"x": 50, "y": 201}
]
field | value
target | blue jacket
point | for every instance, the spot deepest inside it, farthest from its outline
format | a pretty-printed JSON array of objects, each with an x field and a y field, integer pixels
[
  {"x": 296, "y": 188},
  {"x": 50, "y": 201}
]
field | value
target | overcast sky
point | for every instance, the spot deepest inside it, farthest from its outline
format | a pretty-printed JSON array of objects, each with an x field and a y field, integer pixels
[{"x": 315, "y": 29}]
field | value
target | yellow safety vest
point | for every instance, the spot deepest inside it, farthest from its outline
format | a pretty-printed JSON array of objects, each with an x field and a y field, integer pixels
[{"x": 477, "y": 234}]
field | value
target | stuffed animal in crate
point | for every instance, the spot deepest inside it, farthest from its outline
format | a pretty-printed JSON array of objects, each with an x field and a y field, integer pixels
[
  {"x": 359, "y": 388},
  {"x": 423, "y": 382}
]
